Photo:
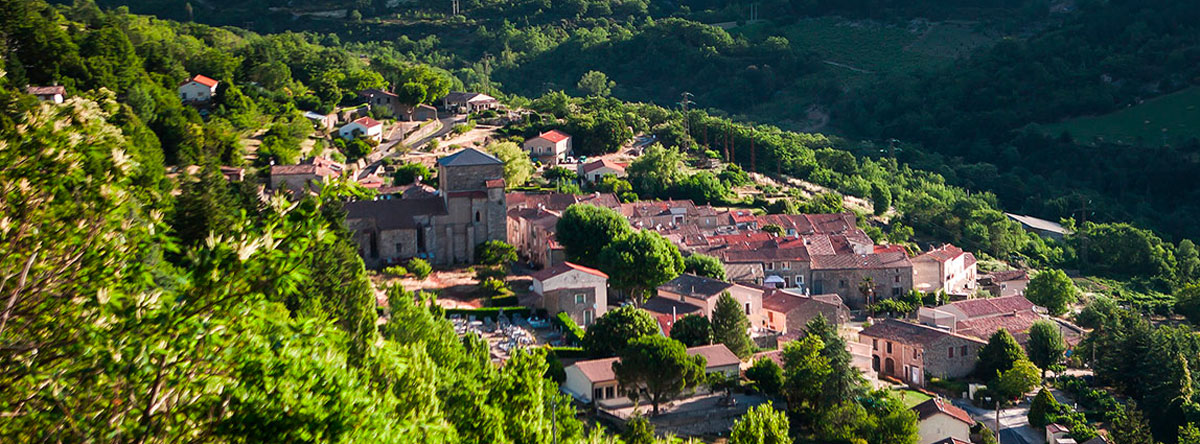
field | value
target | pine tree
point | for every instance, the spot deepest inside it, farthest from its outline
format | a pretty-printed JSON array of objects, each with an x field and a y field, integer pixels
[
  {"x": 999, "y": 355},
  {"x": 1130, "y": 427},
  {"x": 844, "y": 381},
  {"x": 730, "y": 326},
  {"x": 1042, "y": 409}
]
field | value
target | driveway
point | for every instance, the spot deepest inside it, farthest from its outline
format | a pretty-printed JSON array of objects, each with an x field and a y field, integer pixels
[{"x": 1014, "y": 422}]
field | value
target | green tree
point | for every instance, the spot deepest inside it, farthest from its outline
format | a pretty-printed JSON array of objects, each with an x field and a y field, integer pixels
[
  {"x": 585, "y": 230},
  {"x": 1129, "y": 426},
  {"x": 1043, "y": 409},
  {"x": 766, "y": 375},
  {"x": 1189, "y": 434},
  {"x": 656, "y": 171},
  {"x": 692, "y": 330},
  {"x": 1187, "y": 302},
  {"x": 774, "y": 229},
  {"x": 881, "y": 199},
  {"x": 659, "y": 366},
  {"x": 420, "y": 268},
  {"x": 611, "y": 332},
  {"x": 1018, "y": 380},
  {"x": 761, "y": 424},
  {"x": 999, "y": 355},
  {"x": 409, "y": 173},
  {"x": 1052, "y": 289},
  {"x": 640, "y": 261},
  {"x": 517, "y": 166},
  {"x": 704, "y": 265},
  {"x": 1187, "y": 258},
  {"x": 1046, "y": 345},
  {"x": 595, "y": 83},
  {"x": 731, "y": 327},
  {"x": 804, "y": 374},
  {"x": 638, "y": 430},
  {"x": 495, "y": 252},
  {"x": 844, "y": 381},
  {"x": 1101, "y": 310}
]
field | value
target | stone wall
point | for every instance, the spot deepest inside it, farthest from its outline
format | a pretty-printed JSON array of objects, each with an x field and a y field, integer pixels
[
  {"x": 938, "y": 362},
  {"x": 563, "y": 300},
  {"x": 889, "y": 282},
  {"x": 467, "y": 178}
]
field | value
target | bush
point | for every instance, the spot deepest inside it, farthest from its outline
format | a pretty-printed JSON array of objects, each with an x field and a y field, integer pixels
[
  {"x": 571, "y": 331},
  {"x": 568, "y": 352},
  {"x": 419, "y": 268},
  {"x": 495, "y": 252},
  {"x": 505, "y": 301},
  {"x": 485, "y": 273},
  {"x": 494, "y": 287},
  {"x": 395, "y": 270}
]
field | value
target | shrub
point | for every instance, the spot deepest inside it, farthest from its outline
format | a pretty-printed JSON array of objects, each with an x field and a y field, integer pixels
[
  {"x": 419, "y": 268},
  {"x": 568, "y": 352},
  {"x": 395, "y": 270},
  {"x": 505, "y": 301},
  {"x": 571, "y": 331},
  {"x": 495, "y": 252},
  {"x": 494, "y": 287},
  {"x": 485, "y": 273}
]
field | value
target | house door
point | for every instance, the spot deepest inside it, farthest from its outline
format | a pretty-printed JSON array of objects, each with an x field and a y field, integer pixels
[
  {"x": 875, "y": 363},
  {"x": 915, "y": 375},
  {"x": 889, "y": 367},
  {"x": 587, "y": 317}
]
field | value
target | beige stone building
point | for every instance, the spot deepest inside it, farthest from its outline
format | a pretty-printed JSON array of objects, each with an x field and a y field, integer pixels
[
  {"x": 704, "y": 292},
  {"x": 948, "y": 269},
  {"x": 594, "y": 381},
  {"x": 912, "y": 352},
  {"x": 938, "y": 420},
  {"x": 579, "y": 291},
  {"x": 469, "y": 209}
]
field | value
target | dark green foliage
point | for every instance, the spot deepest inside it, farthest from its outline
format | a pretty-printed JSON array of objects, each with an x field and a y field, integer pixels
[
  {"x": 585, "y": 230},
  {"x": 844, "y": 381},
  {"x": 409, "y": 172},
  {"x": 505, "y": 301},
  {"x": 1046, "y": 345},
  {"x": 206, "y": 204},
  {"x": 1130, "y": 427},
  {"x": 495, "y": 252},
  {"x": 704, "y": 265},
  {"x": 640, "y": 261},
  {"x": 420, "y": 268},
  {"x": 638, "y": 431},
  {"x": 692, "y": 330},
  {"x": 611, "y": 332},
  {"x": 659, "y": 366},
  {"x": 999, "y": 355},
  {"x": 1052, "y": 289},
  {"x": 557, "y": 173},
  {"x": 773, "y": 229},
  {"x": 571, "y": 331},
  {"x": 1101, "y": 311},
  {"x": 762, "y": 424},
  {"x": 1044, "y": 405},
  {"x": 881, "y": 198},
  {"x": 730, "y": 326},
  {"x": 766, "y": 375},
  {"x": 1187, "y": 303}
]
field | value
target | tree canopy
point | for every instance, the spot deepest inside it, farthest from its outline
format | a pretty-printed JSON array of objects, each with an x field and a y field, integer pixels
[
  {"x": 616, "y": 328},
  {"x": 1052, "y": 289},
  {"x": 585, "y": 230},
  {"x": 731, "y": 327},
  {"x": 999, "y": 355},
  {"x": 692, "y": 330},
  {"x": 658, "y": 365},
  {"x": 641, "y": 261}
]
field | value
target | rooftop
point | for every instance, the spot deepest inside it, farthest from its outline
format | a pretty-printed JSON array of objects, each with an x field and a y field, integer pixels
[
  {"x": 367, "y": 122},
  {"x": 469, "y": 157},
  {"x": 564, "y": 267},
  {"x": 46, "y": 90},
  {"x": 554, "y": 136},
  {"x": 203, "y": 80},
  {"x": 938, "y": 405},
  {"x": 600, "y": 370},
  {"x": 605, "y": 163},
  {"x": 1037, "y": 224},
  {"x": 395, "y": 213},
  {"x": 909, "y": 333},
  {"x": 975, "y": 308},
  {"x": 690, "y": 284},
  {"x": 861, "y": 261}
]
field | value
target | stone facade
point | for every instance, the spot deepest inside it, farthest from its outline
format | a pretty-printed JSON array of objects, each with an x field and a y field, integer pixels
[
  {"x": 889, "y": 283},
  {"x": 579, "y": 291},
  {"x": 912, "y": 353}
]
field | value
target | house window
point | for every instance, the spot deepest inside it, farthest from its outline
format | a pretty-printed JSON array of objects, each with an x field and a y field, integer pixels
[
  {"x": 895, "y": 292},
  {"x": 842, "y": 283},
  {"x": 874, "y": 344},
  {"x": 897, "y": 279},
  {"x": 399, "y": 248},
  {"x": 608, "y": 391},
  {"x": 951, "y": 350},
  {"x": 889, "y": 346},
  {"x": 914, "y": 353},
  {"x": 747, "y": 308},
  {"x": 799, "y": 280},
  {"x": 787, "y": 265},
  {"x": 599, "y": 394},
  {"x": 477, "y": 216},
  {"x": 580, "y": 298},
  {"x": 770, "y": 266},
  {"x": 964, "y": 351}
]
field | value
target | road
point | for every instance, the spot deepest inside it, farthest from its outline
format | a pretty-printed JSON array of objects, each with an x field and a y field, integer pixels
[{"x": 1014, "y": 423}]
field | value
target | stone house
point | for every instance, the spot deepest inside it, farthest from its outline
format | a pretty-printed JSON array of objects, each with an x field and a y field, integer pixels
[
  {"x": 307, "y": 176},
  {"x": 550, "y": 147},
  {"x": 322, "y": 122},
  {"x": 197, "y": 89},
  {"x": 593, "y": 171},
  {"x": 980, "y": 318},
  {"x": 594, "y": 381},
  {"x": 890, "y": 272},
  {"x": 54, "y": 94},
  {"x": 533, "y": 217},
  {"x": 938, "y": 420},
  {"x": 704, "y": 292},
  {"x": 911, "y": 352},
  {"x": 785, "y": 311},
  {"x": 947, "y": 268},
  {"x": 1004, "y": 283},
  {"x": 469, "y": 209},
  {"x": 468, "y": 102},
  {"x": 579, "y": 291}
]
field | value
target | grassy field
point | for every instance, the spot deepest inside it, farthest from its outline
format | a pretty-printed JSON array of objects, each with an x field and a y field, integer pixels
[
  {"x": 1168, "y": 118},
  {"x": 911, "y": 397}
]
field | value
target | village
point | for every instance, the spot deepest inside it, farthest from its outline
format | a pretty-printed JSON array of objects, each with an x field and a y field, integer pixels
[{"x": 781, "y": 273}]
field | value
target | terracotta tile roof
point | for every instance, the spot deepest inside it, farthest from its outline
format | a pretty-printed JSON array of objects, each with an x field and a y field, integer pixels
[
  {"x": 951, "y": 440},
  {"x": 744, "y": 272},
  {"x": 717, "y": 355},
  {"x": 693, "y": 285},
  {"x": 554, "y": 136},
  {"x": 860, "y": 261},
  {"x": 889, "y": 249},
  {"x": 597, "y": 370},
  {"x": 975, "y": 308},
  {"x": 938, "y": 405},
  {"x": 560, "y": 201},
  {"x": 593, "y": 166},
  {"x": 909, "y": 333},
  {"x": 782, "y": 301},
  {"x": 1016, "y": 323},
  {"x": 563, "y": 267},
  {"x": 46, "y": 90},
  {"x": 203, "y": 80},
  {"x": 303, "y": 169},
  {"x": 367, "y": 122}
]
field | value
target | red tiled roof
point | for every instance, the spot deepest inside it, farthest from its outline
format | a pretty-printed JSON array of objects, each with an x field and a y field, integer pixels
[
  {"x": 1017, "y": 323},
  {"x": 597, "y": 370},
  {"x": 717, "y": 355},
  {"x": 951, "y": 440},
  {"x": 909, "y": 333},
  {"x": 367, "y": 122},
  {"x": 494, "y": 183},
  {"x": 781, "y": 301},
  {"x": 938, "y": 405},
  {"x": 860, "y": 261},
  {"x": 892, "y": 248},
  {"x": 975, "y": 308},
  {"x": 46, "y": 90},
  {"x": 554, "y": 136},
  {"x": 943, "y": 253},
  {"x": 593, "y": 166},
  {"x": 549, "y": 272},
  {"x": 203, "y": 80}
]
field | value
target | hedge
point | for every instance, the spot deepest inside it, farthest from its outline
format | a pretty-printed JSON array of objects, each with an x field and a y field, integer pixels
[
  {"x": 571, "y": 331},
  {"x": 505, "y": 301},
  {"x": 488, "y": 313},
  {"x": 568, "y": 352}
]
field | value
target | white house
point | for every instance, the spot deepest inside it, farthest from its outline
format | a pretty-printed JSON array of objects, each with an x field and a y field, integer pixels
[
  {"x": 579, "y": 291},
  {"x": 946, "y": 268},
  {"x": 198, "y": 89},
  {"x": 595, "y": 381},
  {"x": 364, "y": 127},
  {"x": 469, "y": 102},
  {"x": 938, "y": 420},
  {"x": 48, "y": 93},
  {"x": 593, "y": 171},
  {"x": 550, "y": 147}
]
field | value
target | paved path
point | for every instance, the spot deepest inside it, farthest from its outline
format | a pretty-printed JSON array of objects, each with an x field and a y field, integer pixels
[{"x": 1014, "y": 423}]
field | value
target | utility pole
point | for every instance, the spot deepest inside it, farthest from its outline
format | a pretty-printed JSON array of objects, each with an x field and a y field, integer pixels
[{"x": 997, "y": 419}]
